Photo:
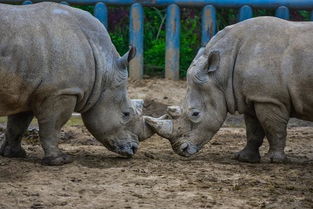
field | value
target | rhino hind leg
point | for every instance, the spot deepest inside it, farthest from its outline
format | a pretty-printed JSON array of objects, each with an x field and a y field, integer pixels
[
  {"x": 16, "y": 126},
  {"x": 255, "y": 135},
  {"x": 274, "y": 120},
  {"x": 53, "y": 114}
]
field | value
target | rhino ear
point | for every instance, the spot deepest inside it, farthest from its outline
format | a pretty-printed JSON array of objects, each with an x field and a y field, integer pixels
[
  {"x": 125, "y": 59},
  {"x": 213, "y": 61}
]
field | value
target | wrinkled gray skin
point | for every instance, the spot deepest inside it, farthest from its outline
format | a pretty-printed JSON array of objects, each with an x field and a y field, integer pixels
[
  {"x": 56, "y": 60},
  {"x": 262, "y": 68}
]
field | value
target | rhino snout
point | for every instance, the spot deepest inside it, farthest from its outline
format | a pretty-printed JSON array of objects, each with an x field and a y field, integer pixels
[
  {"x": 187, "y": 149},
  {"x": 128, "y": 150}
]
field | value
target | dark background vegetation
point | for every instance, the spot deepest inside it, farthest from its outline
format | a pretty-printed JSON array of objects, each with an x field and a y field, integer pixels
[{"x": 154, "y": 32}]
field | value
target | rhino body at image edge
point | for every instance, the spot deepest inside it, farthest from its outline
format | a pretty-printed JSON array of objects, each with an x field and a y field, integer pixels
[
  {"x": 56, "y": 60},
  {"x": 262, "y": 68}
]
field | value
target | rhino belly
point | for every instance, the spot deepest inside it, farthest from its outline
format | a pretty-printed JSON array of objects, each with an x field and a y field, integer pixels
[{"x": 14, "y": 94}]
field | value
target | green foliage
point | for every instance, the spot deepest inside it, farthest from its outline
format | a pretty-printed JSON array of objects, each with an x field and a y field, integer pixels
[
  {"x": 190, "y": 40},
  {"x": 86, "y": 8},
  {"x": 225, "y": 17},
  {"x": 154, "y": 41},
  {"x": 154, "y": 44}
]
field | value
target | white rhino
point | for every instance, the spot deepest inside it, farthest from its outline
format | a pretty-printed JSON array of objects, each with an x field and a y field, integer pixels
[
  {"x": 55, "y": 60},
  {"x": 262, "y": 68}
]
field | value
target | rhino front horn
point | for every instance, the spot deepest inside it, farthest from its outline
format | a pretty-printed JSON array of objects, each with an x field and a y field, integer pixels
[{"x": 163, "y": 127}]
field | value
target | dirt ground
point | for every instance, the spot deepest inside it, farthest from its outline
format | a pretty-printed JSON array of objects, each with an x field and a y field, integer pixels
[{"x": 156, "y": 177}]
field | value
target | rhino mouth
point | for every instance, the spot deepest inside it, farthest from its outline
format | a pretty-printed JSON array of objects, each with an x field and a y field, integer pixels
[
  {"x": 185, "y": 149},
  {"x": 127, "y": 150},
  {"x": 123, "y": 146}
]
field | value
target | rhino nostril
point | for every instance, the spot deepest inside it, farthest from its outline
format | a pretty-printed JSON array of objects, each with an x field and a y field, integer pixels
[{"x": 134, "y": 148}]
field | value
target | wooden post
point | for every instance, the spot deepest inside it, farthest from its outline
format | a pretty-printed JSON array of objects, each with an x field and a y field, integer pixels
[
  {"x": 172, "y": 42},
  {"x": 208, "y": 24},
  {"x": 282, "y": 12},
  {"x": 101, "y": 13},
  {"x": 136, "y": 39},
  {"x": 245, "y": 13},
  {"x": 64, "y": 2},
  {"x": 27, "y": 2}
]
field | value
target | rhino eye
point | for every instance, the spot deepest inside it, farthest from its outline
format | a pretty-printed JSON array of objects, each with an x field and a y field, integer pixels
[
  {"x": 126, "y": 114},
  {"x": 195, "y": 116}
]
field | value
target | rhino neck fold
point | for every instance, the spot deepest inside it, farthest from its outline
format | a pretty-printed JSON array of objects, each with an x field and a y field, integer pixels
[
  {"x": 230, "y": 94},
  {"x": 98, "y": 84}
]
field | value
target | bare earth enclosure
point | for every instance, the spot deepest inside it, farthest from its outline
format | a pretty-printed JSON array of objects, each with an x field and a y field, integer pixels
[{"x": 156, "y": 177}]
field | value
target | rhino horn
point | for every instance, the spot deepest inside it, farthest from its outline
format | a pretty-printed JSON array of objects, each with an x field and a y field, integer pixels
[
  {"x": 137, "y": 105},
  {"x": 174, "y": 111},
  {"x": 163, "y": 127},
  {"x": 125, "y": 59}
]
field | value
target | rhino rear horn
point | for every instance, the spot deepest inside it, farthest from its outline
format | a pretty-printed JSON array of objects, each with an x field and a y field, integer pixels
[
  {"x": 137, "y": 105},
  {"x": 163, "y": 127},
  {"x": 174, "y": 111},
  {"x": 127, "y": 57}
]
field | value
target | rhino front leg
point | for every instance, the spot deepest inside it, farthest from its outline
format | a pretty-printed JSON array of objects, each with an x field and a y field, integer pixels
[
  {"x": 274, "y": 120},
  {"x": 53, "y": 114},
  {"x": 255, "y": 136},
  {"x": 16, "y": 126}
]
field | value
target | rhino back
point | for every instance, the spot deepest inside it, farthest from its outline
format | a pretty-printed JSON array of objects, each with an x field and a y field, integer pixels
[
  {"x": 44, "y": 51},
  {"x": 273, "y": 64}
]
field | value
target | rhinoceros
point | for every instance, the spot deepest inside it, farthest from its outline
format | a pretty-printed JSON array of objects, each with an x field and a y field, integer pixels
[
  {"x": 262, "y": 68},
  {"x": 56, "y": 60}
]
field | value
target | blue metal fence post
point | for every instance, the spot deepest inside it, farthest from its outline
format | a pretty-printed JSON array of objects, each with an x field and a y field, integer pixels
[
  {"x": 282, "y": 12},
  {"x": 101, "y": 13},
  {"x": 245, "y": 13},
  {"x": 27, "y": 2},
  {"x": 208, "y": 24},
  {"x": 136, "y": 39},
  {"x": 172, "y": 42},
  {"x": 64, "y": 2}
]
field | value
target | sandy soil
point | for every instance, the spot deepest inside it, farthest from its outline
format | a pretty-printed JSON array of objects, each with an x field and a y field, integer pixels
[{"x": 156, "y": 177}]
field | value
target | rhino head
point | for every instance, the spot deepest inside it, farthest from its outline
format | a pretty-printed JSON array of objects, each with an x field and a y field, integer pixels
[
  {"x": 203, "y": 108},
  {"x": 115, "y": 120}
]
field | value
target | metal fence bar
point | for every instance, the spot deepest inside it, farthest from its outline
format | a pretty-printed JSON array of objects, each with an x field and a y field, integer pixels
[
  {"x": 136, "y": 39},
  {"x": 311, "y": 16},
  {"x": 101, "y": 13},
  {"x": 245, "y": 13},
  {"x": 282, "y": 12},
  {"x": 172, "y": 42},
  {"x": 264, "y": 4},
  {"x": 208, "y": 24}
]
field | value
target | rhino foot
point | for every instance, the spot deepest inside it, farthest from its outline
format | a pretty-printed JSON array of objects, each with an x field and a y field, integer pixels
[
  {"x": 58, "y": 160},
  {"x": 10, "y": 151},
  {"x": 276, "y": 157},
  {"x": 248, "y": 156}
]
